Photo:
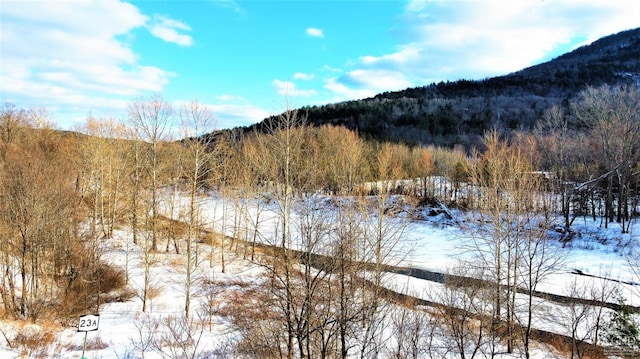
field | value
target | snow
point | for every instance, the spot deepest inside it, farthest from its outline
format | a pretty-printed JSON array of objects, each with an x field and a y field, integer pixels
[{"x": 433, "y": 243}]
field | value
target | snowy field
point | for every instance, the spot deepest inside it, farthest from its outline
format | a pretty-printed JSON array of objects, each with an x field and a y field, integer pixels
[{"x": 433, "y": 243}]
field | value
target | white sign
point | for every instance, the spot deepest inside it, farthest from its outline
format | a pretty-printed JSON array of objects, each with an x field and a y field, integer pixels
[{"x": 88, "y": 323}]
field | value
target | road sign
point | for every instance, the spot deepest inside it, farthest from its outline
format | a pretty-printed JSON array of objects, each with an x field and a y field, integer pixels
[{"x": 88, "y": 323}]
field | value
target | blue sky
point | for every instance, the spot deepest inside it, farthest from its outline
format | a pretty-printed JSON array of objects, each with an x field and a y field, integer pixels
[{"x": 251, "y": 59}]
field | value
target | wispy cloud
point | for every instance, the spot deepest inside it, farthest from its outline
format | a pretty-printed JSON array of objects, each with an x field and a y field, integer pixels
[
  {"x": 228, "y": 98},
  {"x": 233, "y": 110},
  {"x": 341, "y": 91},
  {"x": 229, "y": 4},
  {"x": 303, "y": 76},
  {"x": 358, "y": 84},
  {"x": 377, "y": 80},
  {"x": 288, "y": 88},
  {"x": 229, "y": 111},
  {"x": 314, "y": 32},
  {"x": 404, "y": 56},
  {"x": 233, "y": 115},
  {"x": 168, "y": 30}
]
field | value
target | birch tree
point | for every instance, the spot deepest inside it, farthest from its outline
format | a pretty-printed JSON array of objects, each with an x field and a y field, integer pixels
[
  {"x": 151, "y": 117},
  {"x": 504, "y": 176},
  {"x": 284, "y": 142},
  {"x": 104, "y": 165},
  {"x": 383, "y": 235},
  {"x": 250, "y": 178},
  {"x": 197, "y": 120}
]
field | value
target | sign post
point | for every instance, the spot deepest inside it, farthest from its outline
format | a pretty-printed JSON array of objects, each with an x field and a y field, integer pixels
[{"x": 86, "y": 324}]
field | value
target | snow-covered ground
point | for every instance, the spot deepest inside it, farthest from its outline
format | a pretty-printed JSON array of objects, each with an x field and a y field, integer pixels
[{"x": 433, "y": 243}]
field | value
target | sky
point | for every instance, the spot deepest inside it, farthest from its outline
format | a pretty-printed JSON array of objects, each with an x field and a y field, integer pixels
[{"x": 251, "y": 59}]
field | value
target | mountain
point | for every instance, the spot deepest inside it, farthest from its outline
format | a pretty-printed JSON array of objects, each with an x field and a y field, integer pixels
[{"x": 459, "y": 112}]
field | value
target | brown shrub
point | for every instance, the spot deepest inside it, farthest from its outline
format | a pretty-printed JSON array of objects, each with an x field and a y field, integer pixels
[{"x": 91, "y": 286}]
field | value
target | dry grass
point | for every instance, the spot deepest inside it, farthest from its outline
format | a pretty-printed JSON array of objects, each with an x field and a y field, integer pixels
[
  {"x": 95, "y": 343},
  {"x": 172, "y": 227},
  {"x": 154, "y": 291},
  {"x": 176, "y": 261},
  {"x": 34, "y": 341}
]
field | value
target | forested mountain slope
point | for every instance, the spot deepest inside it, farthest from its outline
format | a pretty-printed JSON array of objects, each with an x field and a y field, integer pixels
[{"x": 457, "y": 113}]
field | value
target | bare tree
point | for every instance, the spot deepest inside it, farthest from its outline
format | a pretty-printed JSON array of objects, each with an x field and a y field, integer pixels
[
  {"x": 582, "y": 321},
  {"x": 511, "y": 236},
  {"x": 382, "y": 235},
  {"x": 180, "y": 337},
  {"x": 340, "y": 156},
  {"x": 312, "y": 307},
  {"x": 13, "y": 121},
  {"x": 135, "y": 179},
  {"x": 464, "y": 311},
  {"x": 347, "y": 250},
  {"x": 249, "y": 181},
  {"x": 221, "y": 176},
  {"x": 151, "y": 117},
  {"x": 411, "y": 328},
  {"x": 613, "y": 117},
  {"x": 103, "y": 168},
  {"x": 560, "y": 149},
  {"x": 424, "y": 168},
  {"x": 198, "y": 120},
  {"x": 281, "y": 166},
  {"x": 38, "y": 224}
]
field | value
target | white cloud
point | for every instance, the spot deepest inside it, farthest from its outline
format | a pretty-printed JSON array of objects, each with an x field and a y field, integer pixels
[
  {"x": 314, "y": 32},
  {"x": 404, "y": 56},
  {"x": 288, "y": 88},
  {"x": 167, "y": 30},
  {"x": 72, "y": 58},
  {"x": 303, "y": 76},
  {"x": 343, "y": 92},
  {"x": 89, "y": 17},
  {"x": 378, "y": 80},
  {"x": 229, "y": 111},
  {"x": 227, "y": 98},
  {"x": 450, "y": 40},
  {"x": 233, "y": 115},
  {"x": 483, "y": 38},
  {"x": 358, "y": 84}
]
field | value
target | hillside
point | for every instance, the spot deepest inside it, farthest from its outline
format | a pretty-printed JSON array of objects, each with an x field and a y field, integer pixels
[
  {"x": 313, "y": 243},
  {"x": 457, "y": 113}
]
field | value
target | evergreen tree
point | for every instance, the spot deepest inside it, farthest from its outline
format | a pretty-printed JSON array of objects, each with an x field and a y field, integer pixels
[{"x": 623, "y": 330}]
